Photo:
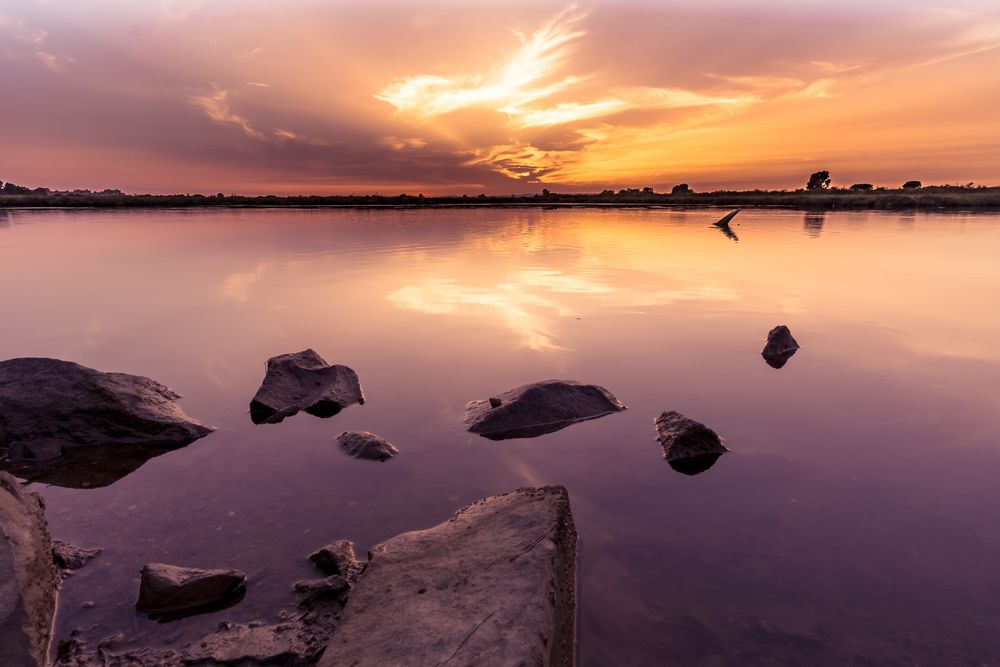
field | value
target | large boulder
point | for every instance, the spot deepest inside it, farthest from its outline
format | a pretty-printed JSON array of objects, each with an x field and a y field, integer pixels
[
  {"x": 28, "y": 577},
  {"x": 303, "y": 381},
  {"x": 689, "y": 446},
  {"x": 780, "y": 346},
  {"x": 169, "y": 588},
  {"x": 536, "y": 409},
  {"x": 365, "y": 445},
  {"x": 494, "y": 585},
  {"x": 49, "y": 407}
]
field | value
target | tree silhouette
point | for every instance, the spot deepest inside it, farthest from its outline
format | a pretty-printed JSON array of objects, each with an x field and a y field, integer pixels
[
  {"x": 819, "y": 181},
  {"x": 912, "y": 185},
  {"x": 862, "y": 186},
  {"x": 682, "y": 189}
]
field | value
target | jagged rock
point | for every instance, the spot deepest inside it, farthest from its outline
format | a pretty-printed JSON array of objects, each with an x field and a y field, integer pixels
[
  {"x": 780, "y": 346},
  {"x": 166, "y": 588},
  {"x": 365, "y": 445},
  {"x": 536, "y": 409},
  {"x": 726, "y": 219},
  {"x": 69, "y": 557},
  {"x": 494, "y": 585},
  {"x": 48, "y": 401},
  {"x": 336, "y": 558},
  {"x": 689, "y": 446},
  {"x": 303, "y": 381},
  {"x": 28, "y": 577}
]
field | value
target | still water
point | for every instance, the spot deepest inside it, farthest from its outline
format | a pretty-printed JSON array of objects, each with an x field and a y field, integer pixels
[{"x": 856, "y": 519}]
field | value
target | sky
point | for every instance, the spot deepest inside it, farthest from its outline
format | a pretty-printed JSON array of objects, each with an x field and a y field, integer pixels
[{"x": 450, "y": 97}]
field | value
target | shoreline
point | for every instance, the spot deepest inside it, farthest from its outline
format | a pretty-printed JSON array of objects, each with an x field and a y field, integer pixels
[{"x": 945, "y": 198}]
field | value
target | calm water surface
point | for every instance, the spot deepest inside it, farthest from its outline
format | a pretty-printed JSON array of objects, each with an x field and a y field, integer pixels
[{"x": 856, "y": 520}]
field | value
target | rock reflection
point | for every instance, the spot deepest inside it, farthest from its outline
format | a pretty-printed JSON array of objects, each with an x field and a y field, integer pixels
[
  {"x": 694, "y": 465},
  {"x": 84, "y": 467}
]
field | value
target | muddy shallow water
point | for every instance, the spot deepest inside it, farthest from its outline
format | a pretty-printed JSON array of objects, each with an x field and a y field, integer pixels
[{"x": 855, "y": 520}]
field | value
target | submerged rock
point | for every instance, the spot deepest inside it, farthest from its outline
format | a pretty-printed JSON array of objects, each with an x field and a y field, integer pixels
[
  {"x": 334, "y": 586},
  {"x": 494, "y": 585},
  {"x": 85, "y": 467},
  {"x": 48, "y": 406},
  {"x": 336, "y": 558},
  {"x": 780, "y": 346},
  {"x": 166, "y": 588},
  {"x": 689, "y": 446},
  {"x": 303, "y": 381},
  {"x": 69, "y": 557},
  {"x": 536, "y": 409},
  {"x": 365, "y": 445},
  {"x": 28, "y": 577},
  {"x": 726, "y": 219}
]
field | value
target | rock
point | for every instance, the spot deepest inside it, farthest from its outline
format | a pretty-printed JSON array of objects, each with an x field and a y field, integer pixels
[
  {"x": 166, "y": 588},
  {"x": 689, "y": 447},
  {"x": 51, "y": 408},
  {"x": 536, "y": 409},
  {"x": 239, "y": 644},
  {"x": 494, "y": 585},
  {"x": 34, "y": 452},
  {"x": 304, "y": 381},
  {"x": 336, "y": 558},
  {"x": 68, "y": 557},
  {"x": 28, "y": 577},
  {"x": 315, "y": 589},
  {"x": 365, "y": 445},
  {"x": 780, "y": 346},
  {"x": 726, "y": 219}
]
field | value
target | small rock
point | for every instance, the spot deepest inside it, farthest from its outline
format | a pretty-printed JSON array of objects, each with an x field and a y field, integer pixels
[
  {"x": 780, "y": 346},
  {"x": 316, "y": 589},
  {"x": 304, "y": 381},
  {"x": 166, "y": 588},
  {"x": 335, "y": 558},
  {"x": 34, "y": 452},
  {"x": 536, "y": 409},
  {"x": 69, "y": 557},
  {"x": 689, "y": 446},
  {"x": 365, "y": 445}
]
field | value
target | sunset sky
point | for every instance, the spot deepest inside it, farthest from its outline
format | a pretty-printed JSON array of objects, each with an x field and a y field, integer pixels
[{"x": 305, "y": 96}]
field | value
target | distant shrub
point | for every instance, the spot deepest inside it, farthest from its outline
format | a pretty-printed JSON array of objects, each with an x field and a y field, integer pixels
[
  {"x": 865, "y": 187},
  {"x": 681, "y": 189},
  {"x": 912, "y": 185},
  {"x": 819, "y": 181}
]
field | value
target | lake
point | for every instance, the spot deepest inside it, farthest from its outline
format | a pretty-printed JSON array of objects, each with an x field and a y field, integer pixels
[{"x": 856, "y": 519}]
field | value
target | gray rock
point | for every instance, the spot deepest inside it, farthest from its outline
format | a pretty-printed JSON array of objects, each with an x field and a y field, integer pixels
[
  {"x": 69, "y": 557},
  {"x": 239, "y": 644},
  {"x": 689, "y": 446},
  {"x": 166, "y": 588},
  {"x": 780, "y": 346},
  {"x": 494, "y": 585},
  {"x": 28, "y": 577},
  {"x": 536, "y": 409},
  {"x": 316, "y": 589},
  {"x": 336, "y": 558},
  {"x": 365, "y": 445},
  {"x": 303, "y": 381},
  {"x": 48, "y": 403}
]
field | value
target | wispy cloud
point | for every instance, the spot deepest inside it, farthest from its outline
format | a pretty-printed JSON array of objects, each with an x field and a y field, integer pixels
[{"x": 216, "y": 106}]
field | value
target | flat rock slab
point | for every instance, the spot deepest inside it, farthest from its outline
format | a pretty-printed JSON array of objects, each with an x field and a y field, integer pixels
[
  {"x": 689, "y": 446},
  {"x": 780, "y": 346},
  {"x": 48, "y": 405},
  {"x": 169, "y": 588},
  {"x": 28, "y": 577},
  {"x": 303, "y": 381},
  {"x": 494, "y": 585},
  {"x": 365, "y": 445},
  {"x": 536, "y": 409}
]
